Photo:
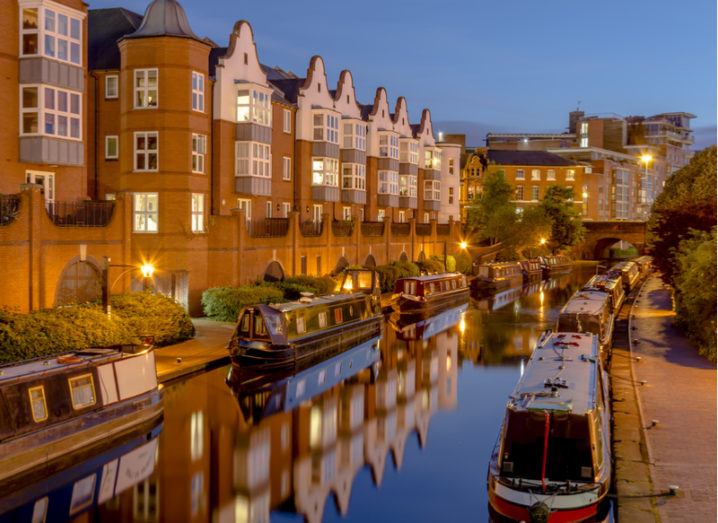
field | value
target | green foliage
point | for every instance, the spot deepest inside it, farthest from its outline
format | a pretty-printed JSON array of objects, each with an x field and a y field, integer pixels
[
  {"x": 566, "y": 227},
  {"x": 695, "y": 282},
  {"x": 388, "y": 274},
  {"x": 688, "y": 201},
  {"x": 224, "y": 303},
  {"x": 54, "y": 331},
  {"x": 493, "y": 214},
  {"x": 432, "y": 265},
  {"x": 318, "y": 285},
  {"x": 464, "y": 263}
]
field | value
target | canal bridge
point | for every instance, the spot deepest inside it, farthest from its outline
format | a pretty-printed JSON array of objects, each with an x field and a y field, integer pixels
[{"x": 602, "y": 235}]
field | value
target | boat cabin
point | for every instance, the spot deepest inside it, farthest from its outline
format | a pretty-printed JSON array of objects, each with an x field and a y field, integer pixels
[
  {"x": 500, "y": 271},
  {"x": 359, "y": 280},
  {"x": 629, "y": 272},
  {"x": 590, "y": 312},
  {"x": 611, "y": 285},
  {"x": 428, "y": 286}
]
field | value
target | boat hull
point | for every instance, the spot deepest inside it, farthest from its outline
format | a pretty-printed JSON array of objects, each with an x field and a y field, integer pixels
[
  {"x": 533, "y": 276},
  {"x": 575, "y": 507},
  {"x": 410, "y": 307}
]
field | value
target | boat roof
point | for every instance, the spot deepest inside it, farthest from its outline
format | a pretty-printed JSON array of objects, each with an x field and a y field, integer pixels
[
  {"x": 432, "y": 277},
  {"x": 48, "y": 365},
  {"x": 560, "y": 375},
  {"x": 585, "y": 302},
  {"x": 501, "y": 264},
  {"x": 622, "y": 266},
  {"x": 329, "y": 299},
  {"x": 602, "y": 280}
]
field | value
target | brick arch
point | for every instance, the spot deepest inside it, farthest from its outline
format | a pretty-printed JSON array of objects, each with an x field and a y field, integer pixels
[
  {"x": 601, "y": 235},
  {"x": 370, "y": 261},
  {"x": 79, "y": 282},
  {"x": 274, "y": 272},
  {"x": 342, "y": 263}
]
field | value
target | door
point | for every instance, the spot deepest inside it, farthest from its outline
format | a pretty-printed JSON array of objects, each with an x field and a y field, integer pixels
[
  {"x": 45, "y": 180},
  {"x": 246, "y": 206},
  {"x": 318, "y": 210}
]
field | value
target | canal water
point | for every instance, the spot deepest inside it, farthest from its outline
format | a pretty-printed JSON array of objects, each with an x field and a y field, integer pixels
[{"x": 400, "y": 434}]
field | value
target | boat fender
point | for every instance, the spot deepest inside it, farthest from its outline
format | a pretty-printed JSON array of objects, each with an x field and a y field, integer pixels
[{"x": 539, "y": 512}]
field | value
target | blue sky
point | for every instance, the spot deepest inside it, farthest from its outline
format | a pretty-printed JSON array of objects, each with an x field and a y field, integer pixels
[{"x": 511, "y": 65}]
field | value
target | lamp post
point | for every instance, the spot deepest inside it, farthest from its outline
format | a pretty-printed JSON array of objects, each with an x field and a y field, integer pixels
[
  {"x": 646, "y": 158},
  {"x": 146, "y": 269}
]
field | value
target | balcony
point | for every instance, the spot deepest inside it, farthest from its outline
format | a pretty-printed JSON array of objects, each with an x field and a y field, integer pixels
[
  {"x": 401, "y": 229},
  {"x": 408, "y": 202},
  {"x": 325, "y": 193},
  {"x": 423, "y": 229},
  {"x": 432, "y": 205},
  {"x": 342, "y": 227},
  {"x": 372, "y": 228},
  {"x": 311, "y": 228},
  {"x": 268, "y": 228},
  {"x": 82, "y": 213},
  {"x": 253, "y": 185},
  {"x": 9, "y": 208},
  {"x": 354, "y": 196},
  {"x": 443, "y": 229},
  {"x": 432, "y": 174},
  {"x": 387, "y": 200}
]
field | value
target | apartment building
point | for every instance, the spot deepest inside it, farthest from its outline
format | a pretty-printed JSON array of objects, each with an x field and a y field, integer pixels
[{"x": 129, "y": 138}]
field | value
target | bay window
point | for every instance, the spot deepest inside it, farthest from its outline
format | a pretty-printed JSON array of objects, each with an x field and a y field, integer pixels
[
  {"x": 354, "y": 136},
  {"x": 145, "y": 209},
  {"x": 146, "y": 88},
  {"x": 54, "y": 33},
  {"x": 254, "y": 106},
  {"x": 407, "y": 185},
  {"x": 146, "y": 151},
  {"x": 432, "y": 190},
  {"x": 51, "y": 111},
  {"x": 388, "y": 145},
  {"x": 325, "y": 171},
  {"x": 354, "y": 176},
  {"x": 388, "y": 182},
  {"x": 409, "y": 151},
  {"x": 253, "y": 159},
  {"x": 326, "y": 127},
  {"x": 432, "y": 158}
]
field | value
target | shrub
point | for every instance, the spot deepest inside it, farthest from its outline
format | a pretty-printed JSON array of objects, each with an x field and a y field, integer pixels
[
  {"x": 224, "y": 303},
  {"x": 148, "y": 314},
  {"x": 464, "y": 263},
  {"x": 388, "y": 274},
  {"x": 431, "y": 265},
  {"x": 318, "y": 285}
]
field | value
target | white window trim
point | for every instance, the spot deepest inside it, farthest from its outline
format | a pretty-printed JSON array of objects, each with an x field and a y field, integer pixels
[
  {"x": 356, "y": 137},
  {"x": 287, "y": 121},
  {"x": 409, "y": 187},
  {"x": 117, "y": 147},
  {"x": 41, "y": 6},
  {"x": 117, "y": 87},
  {"x": 258, "y": 112},
  {"x": 146, "y": 213},
  {"x": 286, "y": 168},
  {"x": 357, "y": 176},
  {"x": 41, "y": 111},
  {"x": 135, "y": 135},
  {"x": 286, "y": 209},
  {"x": 329, "y": 172},
  {"x": 409, "y": 151},
  {"x": 390, "y": 180},
  {"x": 520, "y": 175},
  {"x": 201, "y": 156},
  {"x": 198, "y": 92},
  {"x": 247, "y": 207},
  {"x": 145, "y": 89},
  {"x": 432, "y": 190},
  {"x": 197, "y": 216},
  {"x": 329, "y": 131},
  {"x": 535, "y": 175},
  {"x": 261, "y": 160},
  {"x": 390, "y": 146}
]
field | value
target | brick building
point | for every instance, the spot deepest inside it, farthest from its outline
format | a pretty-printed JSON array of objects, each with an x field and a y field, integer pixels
[{"x": 133, "y": 138}]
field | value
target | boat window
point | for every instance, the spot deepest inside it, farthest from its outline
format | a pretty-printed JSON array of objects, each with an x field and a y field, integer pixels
[
  {"x": 338, "y": 316},
  {"x": 322, "y": 319},
  {"x": 38, "y": 403},
  {"x": 39, "y": 510},
  {"x": 82, "y": 391},
  {"x": 244, "y": 325},
  {"x": 301, "y": 327},
  {"x": 411, "y": 287},
  {"x": 365, "y": 280},
  {"x": 260, "y": 329},
  {"x": 83, "y": 494}
]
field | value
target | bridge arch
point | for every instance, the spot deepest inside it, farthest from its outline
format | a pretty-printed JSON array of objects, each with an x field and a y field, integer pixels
[{"x": 601, "y": 235}]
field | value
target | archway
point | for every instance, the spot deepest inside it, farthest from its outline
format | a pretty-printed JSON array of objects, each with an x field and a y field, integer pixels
[
  {"x": 403, "y": 257},
  {"x": 422, "y": 257},
  {"x": 614, "y": 248},
  {"x": 370, "y": 262},
  {"x": 342, "y": 263},
  {"x": 274, "y": 272},
  {"x": 80, "y": 282}
]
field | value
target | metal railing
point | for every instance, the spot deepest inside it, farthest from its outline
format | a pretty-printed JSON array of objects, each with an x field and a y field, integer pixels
[
  {"x": 401, "y": 229},
  {"x": 9, "y": 208},
  {"x": 342, "y": 227},
  {"x": 423, "y": 229},
  {"x": 372, "y": 228},
  {"x": 311, "y": 228},
  {"x": 81, "y": 213},
  {"x": 268, "y": 228},
  {"x": 443, "y": 229}
]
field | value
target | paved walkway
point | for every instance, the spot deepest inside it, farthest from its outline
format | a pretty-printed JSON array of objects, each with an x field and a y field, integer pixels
[
  {"x": 207, "y": 348},
  {"x": 680, "y": 395}
]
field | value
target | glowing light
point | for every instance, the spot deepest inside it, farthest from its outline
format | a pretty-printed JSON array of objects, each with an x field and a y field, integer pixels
[
  {"x": 348, "y": 285},
  {"x": 448, "y": 364},
  {"x": 646, "y": 158},
  {"x": 147, "y": 270},
  {"x": 541, "y": 298},
  {"x": 584, "y": 194},
  {"x": 542, "y": 241},
  {"x": 462, "y": 326},
  {"x": 463, "y": 244}
]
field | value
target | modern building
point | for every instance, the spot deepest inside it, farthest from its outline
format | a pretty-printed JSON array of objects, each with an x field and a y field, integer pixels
[{"x": 130, "y": 137}]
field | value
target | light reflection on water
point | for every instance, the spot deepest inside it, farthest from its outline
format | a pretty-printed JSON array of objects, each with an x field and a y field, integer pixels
[{"x": 406, "y": 440}]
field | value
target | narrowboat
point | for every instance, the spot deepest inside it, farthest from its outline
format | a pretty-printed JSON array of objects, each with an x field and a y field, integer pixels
[
  {"x": 552, "y": 460},
  {"x": 87, "y": 481},
  {"x": 629, "y": 274},
  {"x": 531, "y": 270},
  {"x": 51, "y": 407},
  {"x": 611, "y": 285},
  {"x": 425, "y": 328},
  {"x": 494, "y": 277},
  {"x": 555, "y": 264},
  {"x": 588, "y": 311},
  {"x": 261, "y": 394},
  {"x": 299, "y": 332},
  {"x": 426, "y": 295},
  {"x": 645, "y": 265}
]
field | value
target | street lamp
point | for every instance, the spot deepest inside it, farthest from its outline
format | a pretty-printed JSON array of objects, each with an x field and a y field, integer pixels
[
  {"x": 463, "y": 244},
  {"x": 146, "y": 269},
  {"x": 542, "y": 241}
]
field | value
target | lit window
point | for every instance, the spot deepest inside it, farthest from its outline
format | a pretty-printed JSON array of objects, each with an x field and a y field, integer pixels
[
  {"x": 402, "y": 216},
  {"x": 253, "y": 159},
  {"x": 287, "y": 121},
  {"x": 199, "y": 149},
  {"x": 286, "y": 168},
  {"x": 354, "y": 136},
  {"x": 60, "y": 35},
  {"x": 570, "y": 175},
  {"x": 145, "y": 212},
  {"x": 38, "y": 405},
  {"x": 388, "y": 145},
  {"x": 407, "y": 185},
  {"x": 111, "y": 86},
  {"x": 551, "y": 175},
  {"x": 254, "y": 106},
  {"x": 432, "y": 158},
  {"x": 51, "y": 111},
  {"x": 286, "y": 209},
  {"x": 380, "y": 215},
  {"x": 326, "y": 127},
  {"x": 111, "y": 147},
  {"x": 520, "y": 174},
  {"x": 82, "y": 391},
  {"x": 30, "y": 31},
  {"x": 244, "y": 204},
  {"x": 325, "y": 171},
  {"x": 197, "y": 91},
  {"x": 146, "y": 151},
  {"x": 409, "y": 151},
  {"x": 432, "y": 190},
  {"x": 346, "y": 213},
  {"x": 536, "y": 174},
  {"x": 146, "y": 85},
  {"x": 354, "y": 176},
  {"x": 197, "y": 212},
  {"x": 535, "y": 193},
  {"x": 388, "y": 182}
]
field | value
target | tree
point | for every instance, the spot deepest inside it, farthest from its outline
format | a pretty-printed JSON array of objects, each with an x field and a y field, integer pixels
[
  {"x": 566, "y": 227},
  {"x": 494, "y": 215},
  {"x": 687, "y": 202}
]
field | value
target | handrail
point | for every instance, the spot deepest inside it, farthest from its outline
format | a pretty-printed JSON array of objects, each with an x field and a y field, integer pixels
[
  {"x": 311, "y": 228},
  {"x": 268, "y": 228},
  {"x": 372, "y": 228},
  {"x": 80, "y": 213}
]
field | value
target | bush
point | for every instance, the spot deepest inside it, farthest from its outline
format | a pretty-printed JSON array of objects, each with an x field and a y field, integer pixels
[
  {"x": 318, "y": 285},
  {"x": 432, "y": 265},
  {"x": 224, "y": 303},
  {"x": 148, "y": 314},
  {"x": 388, "y": 274},
  {"x": 464, "y": 264}
]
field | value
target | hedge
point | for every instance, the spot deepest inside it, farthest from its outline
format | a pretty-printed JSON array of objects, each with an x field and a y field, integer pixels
[
  {"x": 54, "y": 331},
  {"x": 388, "y": 274},
  {"x": 224, "y": 303}
]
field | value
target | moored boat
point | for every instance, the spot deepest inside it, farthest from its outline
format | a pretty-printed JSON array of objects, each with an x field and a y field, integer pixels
[
  {"x": 611, "y": 285},
  {"x": 52, "y": 407},
  {"x": 552, "y": 460},
  {"x": 425, "y": 328},
  {"x": 555, "y": 264},
  {"x": 365, "y": 281},
  {"x": 629, "y": 273},
  {"x": 590, "y": 312},
  {"x": 645, "y": 265},
  {"x": 426, "y": 295},
  {"x": 531, "y": 270},
  {"x": 498, "y": 276},
  {"x": 304, "y": 331}
]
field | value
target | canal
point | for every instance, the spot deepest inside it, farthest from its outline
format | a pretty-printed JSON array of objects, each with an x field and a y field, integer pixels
[{"x": 406, "y": 437}]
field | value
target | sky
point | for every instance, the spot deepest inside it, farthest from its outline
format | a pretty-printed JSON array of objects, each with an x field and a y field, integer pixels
[{"x": 510, "y": 65}]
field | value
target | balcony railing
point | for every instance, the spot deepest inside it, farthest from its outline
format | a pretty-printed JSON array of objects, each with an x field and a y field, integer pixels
[
  {"x": 81, "y": 213},
  {"x": 372, "y": 228},
  {"x": 268, "y": 228},
  {"x": 443, "y": 229},
  {"x": 9, "y": 208},
  {"x": 401, "y": 229},
  {"x": 311, "y": 228},
  {"x": 342, "y": 227},
  {"x": 423, "y": 229}
]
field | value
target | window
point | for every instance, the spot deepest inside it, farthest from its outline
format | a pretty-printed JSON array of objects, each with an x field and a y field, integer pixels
[
  {"x": 59, "y": 37},
  {"x": 254, "y": 106},
  {"x": 146, "y": 151},
  {"x": 519, "y": 192},
  {"x": 536, "y": 174},
  {"x": 326, "y": 128},
  {"x": 111, "y": 143},
  {"x": 535, "y": 192},
  {"x": 268, "y": 209},
  {"x": 402, "y": 216},
  {"x": 146, "y": 85},
  {"x": 245, "y": 205},
  {"x": 30, "y": 31},
  {"x": 570, "y": 175},
  {"x": 432, "y": 190},
  {"x": 346, "y": 213},
  {"x": 354, "y": 176},
  {"x": 426, "y": 217},
  {"x": 46, "y": 181},
  {"x": 451, "y": 195},
  {"x": 380, "y": 215},
  {"x": 287, "y": 121},
  {"x": 570, "y": 188},
  {"x": 451, "y": 166},
  {"x": 145, "y": 212},
  {"x": 197, "y": 91},
  {"x": 197, "y": 212},
  {"x": 361, "y": 214},
  {"x": 354, "y": 136},
  {"x": 584, "y": 134},
  {"x": 199, "y": 149},
  {"x": 286, "y": 209},
  {"x": 286, "y": 168},
  {"x": 388, "y": 145},
  {"x": 551, "y": 175},
  {"x": 520, "y": 174},
  {"x": 38, "y": 405},
  {"x": 51, "y": 111},
  {"x": 111, "y": 86},
  {"x": 388, "y": 182},
  {"x": 432, "y": 159},
  {"x": 253, "y": 159},
  {"x": 82, "y": 391},
  {"x": 325, "y": 171},
  {"x": 407, "y": 185},
  {"x": 409, "y": 151}
]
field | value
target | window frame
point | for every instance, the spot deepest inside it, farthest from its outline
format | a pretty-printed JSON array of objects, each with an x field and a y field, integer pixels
[
  {"x": 287, "y": 121},
  {"x": 198, "y": 156},
  {"x": 520, "y": 174},
  {"x": 30, "y": 390},
  {"x": 145, "y": 89},
  {"x": 108, "y": 137},
  {"x": 42, "y": 111},
  {"x": 286, "y": 209},
  {"x": 535, "y": 175},
  {"x": 287, "y": 168},
  {"x": 72, "y": 380},
  {"x": 355, "y": 137},
  {"x": 388, "y": 145},
  {"x": 258, "y": 106},
  {"x": 329, "y": 172},
  {"x": 116, "y": 78},
  {"x": 570, "y": 175},
  {"x": 146, "y": 152},
  {"x": 388, "y": 182},
  {"x": 551, "y": 175},
  {"x": 44, "y": 33},
  {"x": 327, "y": 130},
  {"x": 198, "y": 91},
  {"x": 408, "y": 185},
  {"x": 432, "y": 190},
  {"x": 257, "y": 157},
  {"x": 146, "y": 213},
  {"x": 197, "y": 213},
  {"x": 535, "y": 190},
  {"x": 356, "y": 176}
]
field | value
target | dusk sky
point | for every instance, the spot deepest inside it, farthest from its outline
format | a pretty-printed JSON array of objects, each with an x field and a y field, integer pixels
[{"x": 516, "y": 65}]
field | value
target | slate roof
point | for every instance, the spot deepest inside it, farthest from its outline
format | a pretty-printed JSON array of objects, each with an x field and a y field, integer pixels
[
  {"x": 289, "y": 87},
  {"x": 106, "y": 27},
  {"x": 164, "y": 18},
  {"x": 501, "y": 157}
]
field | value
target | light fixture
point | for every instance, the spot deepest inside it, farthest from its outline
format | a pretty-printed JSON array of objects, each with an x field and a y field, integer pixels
[
  {"x": 646, "y": 158},
  {"x": 463, "y": 244},
  {"x": 147, "y": 270},
  {"x": 542, "y": 241}
]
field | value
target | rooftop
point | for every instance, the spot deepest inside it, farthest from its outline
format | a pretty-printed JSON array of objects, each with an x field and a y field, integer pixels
[
  {"x": 164, "y": 18},
  {"x": 106, "y": 27},
  {"x": 501, "y": 157},
  {"x": 586, "y": 302}
]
